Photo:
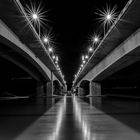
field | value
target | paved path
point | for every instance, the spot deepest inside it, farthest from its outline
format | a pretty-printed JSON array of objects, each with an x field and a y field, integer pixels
[{"x": 73, "y": 119}]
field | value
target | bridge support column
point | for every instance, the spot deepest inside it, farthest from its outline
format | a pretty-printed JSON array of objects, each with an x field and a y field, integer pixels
[
  {"x": 49, "y": 89},
  {"x": 95, "y": 89},
  {"x": 52, "y": 86},
  {"x": 45, "y": 89},
  {"x": 40, "y": 89},
  {"x": 80, "y": 91}
]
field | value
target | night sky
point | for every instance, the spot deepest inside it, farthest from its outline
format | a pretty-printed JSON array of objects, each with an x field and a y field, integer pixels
[{"x": 71, "y": 23}]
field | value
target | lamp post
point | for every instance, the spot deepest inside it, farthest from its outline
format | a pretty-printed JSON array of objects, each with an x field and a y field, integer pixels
[
  {"x": 86, "y": 56},
  {"x": 50, "y": 49},
  {"x": 35, "y": 15},
  {"x": 35, "y": 18},
  {"x": 53, "y": 56},
  {"x": 46, "y": 39},
  {"x": 90, "y": 49},
  {"x": 107, "y": 16}
]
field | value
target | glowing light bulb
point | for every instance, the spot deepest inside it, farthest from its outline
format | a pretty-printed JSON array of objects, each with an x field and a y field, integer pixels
[
  {"x": 90, "y": 49},
  {"x": 50, "y": 49},
  {"x": 35, "y": 16},
  {"x": 45, "y": 39}
]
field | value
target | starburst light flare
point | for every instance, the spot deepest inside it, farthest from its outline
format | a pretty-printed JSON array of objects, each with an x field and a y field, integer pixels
[
  {"x": 107, "y": 16},
  {"x": 35, "y": 14},
  {"x": 46, "y": 39},
  {"x": 96, "y": 39}
]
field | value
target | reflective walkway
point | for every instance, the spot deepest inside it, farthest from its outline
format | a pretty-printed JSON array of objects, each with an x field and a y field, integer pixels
[
  {"x": 97, "y": 125},
  {"x": 71, "y": 118}
]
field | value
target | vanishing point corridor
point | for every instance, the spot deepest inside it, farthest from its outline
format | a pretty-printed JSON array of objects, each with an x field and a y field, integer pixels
[{"x": 69, "y": 70}]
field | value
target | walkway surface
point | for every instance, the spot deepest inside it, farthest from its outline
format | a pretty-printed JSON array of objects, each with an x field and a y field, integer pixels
[{"x": 71, "y": 118}]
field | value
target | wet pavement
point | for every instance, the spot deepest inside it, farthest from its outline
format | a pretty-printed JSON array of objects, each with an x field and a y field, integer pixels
[
  {"x": 71, "y": 118},
  {"x": 16, "y": 115}
]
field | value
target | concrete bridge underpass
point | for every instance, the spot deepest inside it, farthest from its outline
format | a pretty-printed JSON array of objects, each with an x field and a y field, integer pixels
[
  {"x": 26, "y": 68},
  {"x": 113, "y": 69}
]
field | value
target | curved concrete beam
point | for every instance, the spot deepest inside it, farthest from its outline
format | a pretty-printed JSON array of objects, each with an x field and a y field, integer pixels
[
  {"x": 8, "y": 38},
  {"x": 122, "y": 56},
  {"x": 55, "y": 78}
]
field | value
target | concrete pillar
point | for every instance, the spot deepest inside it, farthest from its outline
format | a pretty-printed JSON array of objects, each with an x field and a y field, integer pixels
[
  {"x": 80, "y": 91},
  {"x": 52, "y": 84},
  {"x": 91, "y": 101},
  {"x": 95, "y": 89},
  {"x": 90, "y": 88},
  {"x": 45, "y": 89},
  {"x": 61, "y": 90},
  {"x": 40, "y": 89},
  {"x": 65, "y": 87},
  {"x": 49, "y": 89}
]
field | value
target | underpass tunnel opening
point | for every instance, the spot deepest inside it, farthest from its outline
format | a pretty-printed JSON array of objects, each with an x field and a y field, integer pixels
[
  {"x": 15, "y": 74},
  {"x": 57, "y": 88},
  {"x": 125, "y": 82},
  {"x": 84, "y": 88},
  {"x": 14, "y": 81}
]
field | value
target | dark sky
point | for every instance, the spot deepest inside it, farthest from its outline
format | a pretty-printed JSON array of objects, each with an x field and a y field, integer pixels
[{"x": 71, "y": 23}]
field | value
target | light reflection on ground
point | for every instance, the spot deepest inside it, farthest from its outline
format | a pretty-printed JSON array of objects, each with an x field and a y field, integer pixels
[
  {"x": 82, "y": 121},
  {"x": 72, "y": 118},
  {"x": 59, "y": 119},
  {"x": 97, "y": 125},
  {"x": 47, "y": 127}
]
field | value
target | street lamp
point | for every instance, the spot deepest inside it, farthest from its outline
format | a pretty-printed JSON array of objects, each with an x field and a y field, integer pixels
[
  {"x": 35, "y": 18},
  {"x": 46, "y": 39},
  {"x": 107, "y": 16},
  {"x": 57, "y": 66},
  {"x": 50, "y": 49},
  {"x": 95, "y": 39},
  {"x": 35, "y": 15},
  {"x": 90, "y": 49},
  {"x": 86, "y": 56},
  {"x": 53, "y": 56},
  {"x": 84, "y": 62}
]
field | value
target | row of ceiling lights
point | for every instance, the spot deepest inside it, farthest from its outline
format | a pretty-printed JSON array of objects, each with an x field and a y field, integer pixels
[
  {"x": 107, "y": 18},
  {"x": 54, "y": 57},
  {"x": 85, "y": 58},
  {"x": 36, "y": 16}
]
